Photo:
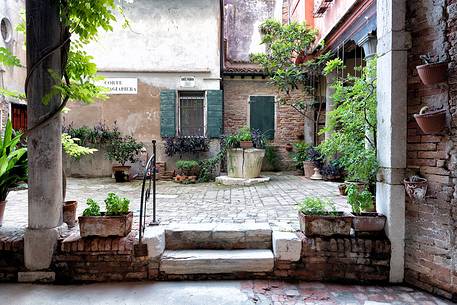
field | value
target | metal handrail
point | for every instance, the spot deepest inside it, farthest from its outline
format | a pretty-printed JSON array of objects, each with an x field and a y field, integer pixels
[{"x": 149, "y": 179}]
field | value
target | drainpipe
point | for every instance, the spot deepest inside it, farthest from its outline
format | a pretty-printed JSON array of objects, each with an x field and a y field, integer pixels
[{"x": 222, "y": 56}]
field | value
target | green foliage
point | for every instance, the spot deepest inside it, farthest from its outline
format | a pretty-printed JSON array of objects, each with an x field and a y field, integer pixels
[
  {"x": 181, "y": 145},
  {"x": 93, "y": 209},
  {"x": 300, "y": 153},
  {"x": 186, "y": 164},
  {"x": 333, "y": 65},
  {"x": 13, "y": 161},
  {"x": 244, "y": 134},
  {"x": 352, "y": 125},
  {"x": 317, "y": 206},
  {"x": 73, "y": 149},
  {"x": 360, "y": 201},
  {"x": 116, "y": 205},
  {"x": 123, "y": 149},
  {"x": 285, "y": 42},
  {"x": 8, "y": 59},
  {"x": 99, "y": 134},
  {"x": 271, "y": 156}
]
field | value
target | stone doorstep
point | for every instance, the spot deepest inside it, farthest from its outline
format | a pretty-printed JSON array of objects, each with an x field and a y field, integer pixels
[
  {"x": 218, "y": 236},
  {"x": 216, "y": 261},
  {"x": 287, "y": 246},
  {"x": 226, "y": 180},
  {"x": 36, "y": 277}
]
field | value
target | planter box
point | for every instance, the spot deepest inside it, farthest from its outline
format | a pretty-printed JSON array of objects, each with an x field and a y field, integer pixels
[
  {"x": 368, "y": 222},
  {"x": 325, "y": 225},
  {"x": 244, "y": 163},
  {"x": 105, "y": 226}
]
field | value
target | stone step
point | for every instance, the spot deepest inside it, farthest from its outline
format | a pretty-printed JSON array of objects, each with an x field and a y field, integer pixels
[
  {"x": 218, "y": 236},
  {"x": 216, "y": 261}
]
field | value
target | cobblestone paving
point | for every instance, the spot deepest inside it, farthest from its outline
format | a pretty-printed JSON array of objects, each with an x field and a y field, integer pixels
[
  {"x": 271, "y": 202},
  {"x": 314, "y": 293}
]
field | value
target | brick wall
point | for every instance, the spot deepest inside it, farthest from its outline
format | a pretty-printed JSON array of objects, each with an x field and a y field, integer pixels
[
  {"x": 11, "y": 255},
  {"x": 430, "y": 250},
  {"x": 289, "y": 123}
]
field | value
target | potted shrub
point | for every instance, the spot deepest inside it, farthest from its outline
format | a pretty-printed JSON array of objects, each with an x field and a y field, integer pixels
[
  {"x": 122, "y": 150},
  {"x": 416, "y": 187},
  {"x": 245, "y": 137},
  {"x": 432, "y": 72},
  {"x": 13, "y": 164},
  {"x": 116, "y": 221},
  {"x": 431, "y": 120},
  {"x": 188, "y": 171},
  {"x": 300, "y": 157},
  {"x": 332, "y": 171},
  {"x": 318, "y": 217},
  {"x": 366, "y": 219}
]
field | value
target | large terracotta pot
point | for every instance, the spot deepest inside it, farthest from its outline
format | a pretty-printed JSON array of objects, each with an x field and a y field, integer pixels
[
  {"x": 431, "y": 74},
  {"x": 2, "y": 211},
  {"x": 326, "y": 225},
  {"x": 69, "y": 213},
  {"x": 432, "y": 121},
  {"x": 105, "y": 226},
  {"x": 246, "y": 144},
  {"x": 244, "y": 163},
  {"x": 308, "y": 168},
  {"x": 368, "y": 222}
]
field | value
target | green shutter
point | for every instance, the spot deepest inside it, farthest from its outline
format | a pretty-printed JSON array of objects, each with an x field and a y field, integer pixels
[
  {"x": 214, "y": 113},
  {"x": 262, "y": 115},
  {"x": 168, "y": 113}
]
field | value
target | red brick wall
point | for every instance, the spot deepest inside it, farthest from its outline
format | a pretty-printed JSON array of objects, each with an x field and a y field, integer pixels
[
  {"x": 289, "y": 123},
  {"x": 430, "y": 252}
]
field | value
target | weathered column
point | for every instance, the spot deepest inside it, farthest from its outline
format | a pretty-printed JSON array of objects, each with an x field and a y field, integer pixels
[
  {"x": 309, "y": 128},
  {"x": 44, "y": 143},
  {"x": 329, "y": 104},
  {"x": 392, "y": 130}
]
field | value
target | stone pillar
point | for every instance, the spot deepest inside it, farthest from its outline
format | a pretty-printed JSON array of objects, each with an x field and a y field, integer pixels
[
  {"x": 329, "y": 105},
  {"x": 309, "y": 129},
  {"x": 44, "y": 143},
  {"x": 392, "y": 125}
]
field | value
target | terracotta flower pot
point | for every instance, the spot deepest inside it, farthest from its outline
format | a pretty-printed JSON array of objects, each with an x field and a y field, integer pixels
[
  {"x": 246, "y": 144},
  {"x": 368, "y": 222},
  {"x": 342, "y": 188},
  {"x": 361, "y": 186},
  {"x": 432, "y": 121},
  {"x": 69, "y": 213},
  {"x": 289, "y": 147},
  {"x": 416, "y": 190},
  {"x": 121, "y": 173},
  {"x": 326, "y": 225},
  {"x": 308, "y": 168},
  {"x": 2, "y": 211},
  {"x": 105, "y": 226},
  {"x": 431, "y": 74}
]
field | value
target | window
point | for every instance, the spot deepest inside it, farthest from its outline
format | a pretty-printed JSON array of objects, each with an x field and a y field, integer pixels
[
  {"x": 262, "y": 115},
  {"x": 19, "y": 116},
  {"x": 191, "y": 114}
]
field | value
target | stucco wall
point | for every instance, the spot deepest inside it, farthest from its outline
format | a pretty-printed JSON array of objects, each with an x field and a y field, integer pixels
[{"x": 165, "y": 41}]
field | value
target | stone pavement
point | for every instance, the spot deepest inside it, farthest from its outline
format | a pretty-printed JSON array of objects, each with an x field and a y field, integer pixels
[
  {"x": 273, "y": 202},
  {"x": 214, "y": 293}
]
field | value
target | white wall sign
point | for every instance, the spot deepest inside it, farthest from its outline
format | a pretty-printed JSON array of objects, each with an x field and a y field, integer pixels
[
  {"x": 187, "y": 82},
  {"x": 120, "y": 85}
]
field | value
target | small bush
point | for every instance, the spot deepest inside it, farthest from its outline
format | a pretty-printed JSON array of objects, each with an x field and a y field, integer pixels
[
  {"x": 186, "y": 164},
  {"x": 124, "y": 149},
  {"x": 316, "y": 206},
  {"x": 116, "y": 205},
  {"x": 360, "y": 201},
  {"x": 93, "y": 209}
]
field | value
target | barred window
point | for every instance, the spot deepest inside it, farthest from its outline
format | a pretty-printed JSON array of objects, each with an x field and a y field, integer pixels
[{"x": 192, "y": 113}]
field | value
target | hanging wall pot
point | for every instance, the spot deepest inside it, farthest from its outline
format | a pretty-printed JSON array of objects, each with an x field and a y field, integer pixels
[
  {"x": 431, "y": 122},
  {"x": 432, "y": 73},
  {"x": 416, "y": 187}
]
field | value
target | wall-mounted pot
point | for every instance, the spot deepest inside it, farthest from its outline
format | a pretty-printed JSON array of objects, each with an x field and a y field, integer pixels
[
  {"x": 433, "y": 73},
  {"x": 431, "y": 122},
  {"x": 416, "y": 187}
]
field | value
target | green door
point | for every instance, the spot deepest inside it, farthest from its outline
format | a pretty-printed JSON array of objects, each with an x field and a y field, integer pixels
[{"x": 262, "y": 115}]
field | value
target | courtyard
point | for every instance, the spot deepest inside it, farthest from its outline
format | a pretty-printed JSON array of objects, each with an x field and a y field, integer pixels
[{"x": 273, "y": 202}]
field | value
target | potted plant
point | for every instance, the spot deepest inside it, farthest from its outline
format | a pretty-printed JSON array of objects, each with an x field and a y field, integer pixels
[
  {"x": 366, "y": 219},
  {"x": 300, "y": 157},
  {"x": 245, "y": 137},
  {"x": 431, "y": 121},
  {"x": 116, "y": 221},
  {"x": 318, "y": 217},
  {"x": 122, "y": 150},
  {"x": 416, "y": 187},
  {"x": 188, "y": 171},
  {"x": 13, "y": 164},
  {"x": 432, "y": 72},
  {"x": 332, "y": 171}
]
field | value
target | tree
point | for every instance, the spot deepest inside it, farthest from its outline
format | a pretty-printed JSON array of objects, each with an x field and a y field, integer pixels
[{"x": 296, "y": 81}]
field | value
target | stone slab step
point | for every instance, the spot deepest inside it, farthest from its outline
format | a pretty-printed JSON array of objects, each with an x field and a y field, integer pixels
[
  {"x": 216, "y": 261},
  {"x": 218, "y": 236}
]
